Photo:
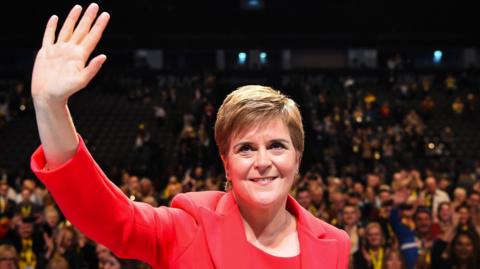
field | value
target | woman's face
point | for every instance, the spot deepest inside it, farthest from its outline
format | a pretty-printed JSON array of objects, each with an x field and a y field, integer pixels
[
  {"x": 463, "y": 247},
  {"x": 262, "y": 163},
  {"x": 393, "y": 261}
]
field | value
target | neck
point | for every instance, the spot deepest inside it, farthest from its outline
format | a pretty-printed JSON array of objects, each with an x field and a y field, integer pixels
[
  {"x": 350, "y": 226},
  {"x": 375, "y": 248},
  {"x": 264, "y": 225}
]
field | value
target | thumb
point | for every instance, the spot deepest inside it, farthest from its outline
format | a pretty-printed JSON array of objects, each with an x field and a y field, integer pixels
[{"x": 92, "y": 69}]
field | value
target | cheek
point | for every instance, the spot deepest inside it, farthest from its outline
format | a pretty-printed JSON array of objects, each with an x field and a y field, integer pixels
[{"x": 238, "y": 168}]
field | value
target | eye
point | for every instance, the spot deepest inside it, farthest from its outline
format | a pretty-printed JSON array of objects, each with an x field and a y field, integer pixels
[
  {"x": 245, "y": 148},
  {"x": 277, "y": 145}
]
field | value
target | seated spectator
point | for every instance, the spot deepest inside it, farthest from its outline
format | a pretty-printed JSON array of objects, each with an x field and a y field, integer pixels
[
  {"x": 394, "y": 260},
  {"x": 372, "y": 251},
  {"x": 350, "y": 223},
  {"x": 57, "y": 262},
  {"x": 8, "y": 257},
  {"x": 461, "y": 252}
]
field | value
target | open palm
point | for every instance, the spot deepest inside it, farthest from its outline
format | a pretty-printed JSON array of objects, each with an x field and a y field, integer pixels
[{"x": 60, "y": 67}]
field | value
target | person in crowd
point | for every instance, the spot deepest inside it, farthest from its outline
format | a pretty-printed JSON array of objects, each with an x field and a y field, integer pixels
[
  {"x": 255, "y": 223},
  {"x": 459, "y": 252},
  {"x": 8, "y": 257},
  {"x": 393, "y": 259},
  {"x": 371, "y": 253}
]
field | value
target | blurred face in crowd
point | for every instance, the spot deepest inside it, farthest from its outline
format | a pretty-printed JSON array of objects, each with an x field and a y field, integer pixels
[
  {"x": 373, "y": 180},
  {"x": 408, "y": 211},
  {"x": 460, "y": 195},
  {"x": 304, "y": 198},
  {"x": 370, "y": 194},
  {"x": 317, "y": 196},
  {"x": 8, "y": 259},
  {"x": 108, "y": 261},
  {"x": 386, "y": 209},
  {"x": 262, "y": 163},
  {"x": 374, "y": 236},
  {"x": 358, "y": 187},
  {"x": 350, "y": 215},
  {"x": 423, "y": 223},
  {"x": 146, "y": 186},
  {"x": 463, "y": 247},
  {"x": 474, "y": 200},
  {"x": 337, "y": 201},
  {"x": 134, "y": 184},
  {"x": 384, "y": 196},
  {"x": 101, "y": 251},
  {"x": 65, "y": 238},
  {"x": 394, "y": 261},
  {"x": 463, "y": 215},
  {"x": 3, "y": 189},
  {"x": 52, "y": 218},
  {"x": 444, "y": 183},
  {"x": 26, "y": 194},
  {"x": 354, "y": 199},
  {"x": 25, "y": 229},
  {"x": 445, "y": 212},
  {"x": 430, "y": 185}
]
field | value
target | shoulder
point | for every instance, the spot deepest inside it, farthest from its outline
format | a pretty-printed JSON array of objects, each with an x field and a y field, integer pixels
[
  {"x": 192, "y": 201},
  {"x": 322, "y": 228},
  {"x": 333, "y": 232}
]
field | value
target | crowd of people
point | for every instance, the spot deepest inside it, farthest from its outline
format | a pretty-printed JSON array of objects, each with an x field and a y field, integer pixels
[{"x": 369, "y": 168}]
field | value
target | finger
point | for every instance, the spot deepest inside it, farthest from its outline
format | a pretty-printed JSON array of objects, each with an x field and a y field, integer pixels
[
  {"x": 49, "y": 35},
  {"x": 92, "y": 69},
  {"x": 92, "y": 39},
  {"x": 85, "y": 23},
  {"x": 69, "y": 24}
]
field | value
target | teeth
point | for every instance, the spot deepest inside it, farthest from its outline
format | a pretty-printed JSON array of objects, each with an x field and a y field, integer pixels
[{"x": 263, "y": 179}]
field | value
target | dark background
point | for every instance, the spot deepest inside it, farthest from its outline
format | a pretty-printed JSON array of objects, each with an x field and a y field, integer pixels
[{"x": 277, "y": 23}]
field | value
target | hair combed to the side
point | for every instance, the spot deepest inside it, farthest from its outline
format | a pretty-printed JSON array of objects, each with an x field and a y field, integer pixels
[{"x": 253, "y": 105}]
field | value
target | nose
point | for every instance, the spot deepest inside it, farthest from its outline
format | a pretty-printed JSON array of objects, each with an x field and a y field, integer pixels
[{"x": 263, "y": 161}]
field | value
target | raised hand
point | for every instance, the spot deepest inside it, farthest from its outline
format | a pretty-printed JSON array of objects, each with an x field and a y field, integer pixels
[
  {"x": 61, "y": 70},
  {"x": 60, "y": 67}
]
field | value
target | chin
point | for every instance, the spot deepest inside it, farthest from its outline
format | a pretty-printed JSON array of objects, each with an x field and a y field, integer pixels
[{"x": 266, "y": 201}]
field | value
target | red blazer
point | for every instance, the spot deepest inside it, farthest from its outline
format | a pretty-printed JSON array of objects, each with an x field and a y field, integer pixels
[{"x": 199, "y": 230}]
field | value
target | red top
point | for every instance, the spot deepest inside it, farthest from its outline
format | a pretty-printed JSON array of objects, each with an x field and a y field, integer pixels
[{"x": 265, "y": 260}]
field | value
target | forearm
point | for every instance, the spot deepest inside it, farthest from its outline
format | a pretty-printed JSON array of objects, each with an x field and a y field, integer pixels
[{"x": 57, "y": 132}]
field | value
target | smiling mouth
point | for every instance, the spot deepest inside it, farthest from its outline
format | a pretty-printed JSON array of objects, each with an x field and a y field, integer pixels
[{"x": 263, "y": 180}]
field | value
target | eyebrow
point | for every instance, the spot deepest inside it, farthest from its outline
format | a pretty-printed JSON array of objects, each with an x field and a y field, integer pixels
[{"x": 276, "y": 140}]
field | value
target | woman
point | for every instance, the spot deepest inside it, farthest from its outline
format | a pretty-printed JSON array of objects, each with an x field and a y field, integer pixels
[
  {"x": 460, "y": 253},
  {"x": 394, "y": 260},
  {"x": 259, "y": 132}
]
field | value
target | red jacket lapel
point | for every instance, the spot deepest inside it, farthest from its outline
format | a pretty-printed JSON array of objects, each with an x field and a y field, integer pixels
[
  {"x": 225, "y": 236},
  {"x": 316, "y": 251}
]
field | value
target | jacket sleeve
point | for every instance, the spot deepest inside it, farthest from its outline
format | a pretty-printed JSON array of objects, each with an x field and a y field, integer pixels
[{"x": 91, "y": 202}]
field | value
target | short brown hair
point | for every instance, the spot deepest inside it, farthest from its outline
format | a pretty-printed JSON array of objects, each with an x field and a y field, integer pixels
[{"x": 255, "y": 104}]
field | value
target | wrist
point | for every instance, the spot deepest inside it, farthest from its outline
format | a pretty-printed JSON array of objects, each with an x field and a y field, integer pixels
[{"x": 48, "y": 102}]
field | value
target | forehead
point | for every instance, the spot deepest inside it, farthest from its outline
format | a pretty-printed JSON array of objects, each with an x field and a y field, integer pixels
[
  {"x": 267, "y": 129},
  {"x": 373, "y": 230}
]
